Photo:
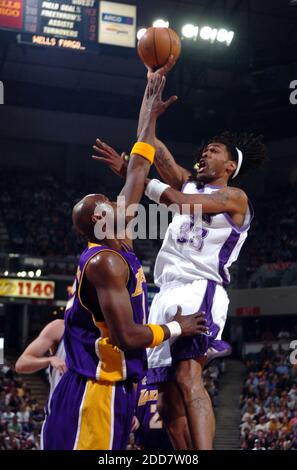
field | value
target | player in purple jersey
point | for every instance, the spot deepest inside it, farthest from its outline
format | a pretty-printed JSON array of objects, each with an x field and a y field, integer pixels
[
  {"x": 150, "y": 434},
  {"x": 105, "y": 318},
  {"x": 194, "y": 269}
]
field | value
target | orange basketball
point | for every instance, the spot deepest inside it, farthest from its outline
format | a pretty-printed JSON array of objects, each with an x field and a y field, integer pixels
[{"x": 156, "y": 46}]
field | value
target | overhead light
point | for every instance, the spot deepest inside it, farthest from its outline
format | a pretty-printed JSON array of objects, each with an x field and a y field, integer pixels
[
  {"x": 225, "y": 36},
  {"x": 230, "y": 37},
  {"x": 140, "y": 33},
  {"x": 205, "y": 33},
  {"x": 190, "y": 31},
  {"x": 5, "y": 273},
  {"x": 161, "y": 23},
  {"x": 31, "y": 273},
  {"x": 38, "y": 273},
  {"x": 222, "y": 35}
]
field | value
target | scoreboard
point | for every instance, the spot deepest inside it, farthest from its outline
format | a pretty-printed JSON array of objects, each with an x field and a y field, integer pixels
[{"x": 75, "y": 24}]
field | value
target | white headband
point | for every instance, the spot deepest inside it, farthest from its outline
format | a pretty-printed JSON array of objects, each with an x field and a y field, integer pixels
[{"x": 239, "y": 163}]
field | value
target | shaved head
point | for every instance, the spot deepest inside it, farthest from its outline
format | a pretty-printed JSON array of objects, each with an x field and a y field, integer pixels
[{"x": 84, "y": 210}]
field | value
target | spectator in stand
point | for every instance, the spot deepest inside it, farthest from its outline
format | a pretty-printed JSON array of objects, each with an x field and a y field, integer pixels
[
  {"x": 269, "y": 402},
  {"x": 283, "y": 334},
  {"x": 20, "y": 415},
  {"x": 267, "y": 351},
  {"x": 267, "y": 335},
  {"x": 258, "y": 445},
  {"x": 39, "y": 224}
]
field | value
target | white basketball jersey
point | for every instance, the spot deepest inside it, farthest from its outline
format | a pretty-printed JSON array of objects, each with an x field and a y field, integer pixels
[
  {"x": 200, "y": 254},
  {"x": 53, "y": 374}
]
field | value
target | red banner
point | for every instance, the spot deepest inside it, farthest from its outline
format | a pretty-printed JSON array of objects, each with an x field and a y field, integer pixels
[{"x": 11, "y": 14}]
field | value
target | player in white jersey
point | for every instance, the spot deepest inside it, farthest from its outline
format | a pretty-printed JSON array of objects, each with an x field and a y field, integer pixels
[
  {"x": 33, "y": 359},
  {"x": 192, "y": 271}
]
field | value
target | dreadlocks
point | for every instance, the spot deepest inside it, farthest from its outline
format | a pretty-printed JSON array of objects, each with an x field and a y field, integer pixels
[{"x": 253, "y": 149}]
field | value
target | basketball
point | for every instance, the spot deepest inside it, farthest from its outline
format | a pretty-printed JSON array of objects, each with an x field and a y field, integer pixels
[{"x": 156, "y": 46}]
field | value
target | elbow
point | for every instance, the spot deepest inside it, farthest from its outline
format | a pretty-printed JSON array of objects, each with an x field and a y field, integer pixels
[
  {"x": 19, "y": 367},
  {"x": 124, "y": 343}
]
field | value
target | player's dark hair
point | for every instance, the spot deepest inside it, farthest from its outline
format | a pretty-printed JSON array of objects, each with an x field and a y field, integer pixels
[{"x": 253, "y": 149}]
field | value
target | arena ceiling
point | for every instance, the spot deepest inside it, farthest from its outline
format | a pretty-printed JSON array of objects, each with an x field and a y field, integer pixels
[{"x": 245, "y": 85}]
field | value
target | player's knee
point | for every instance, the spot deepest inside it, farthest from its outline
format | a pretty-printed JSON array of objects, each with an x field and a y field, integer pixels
[
  {"x": 189, "y": 381},
  {"x": 167, "y": 410}
]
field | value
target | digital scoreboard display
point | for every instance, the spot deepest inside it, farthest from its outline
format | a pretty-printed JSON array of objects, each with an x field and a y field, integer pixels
[
  {"x": 75, "y": 24},
  {"x": 27, "y": 288}
]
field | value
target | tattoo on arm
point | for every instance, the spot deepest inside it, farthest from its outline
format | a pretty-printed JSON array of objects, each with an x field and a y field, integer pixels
[
  {"x": 161, "y": 160},
  {"x": 221, "y": 197},
  {"x": 230, "y": 195}
]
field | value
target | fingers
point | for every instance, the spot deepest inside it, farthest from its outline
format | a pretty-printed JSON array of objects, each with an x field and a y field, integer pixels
[
  {"x": 201, "y": 321},
  {"x": 149, "y": 72},
  {"x": 170, "y": 100},
  {"x": 104, "y": 146},
  {"x": 161, "y": 85},
  {"x": 154, "y": 84},
  {"x": 202, "y": 329},
  {"x": 100, "y": 144},
  {"x": 179, "y": 310},
  {"x": 199, "y": 315},
  {"x": 102, "y": 153},
  {"x": 168, "y": 66},
  {"x": 101, "y": 159}
]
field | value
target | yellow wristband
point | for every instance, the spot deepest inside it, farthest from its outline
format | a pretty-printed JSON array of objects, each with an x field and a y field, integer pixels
[
  {"x": 158, "y": 335},
  {"x": 145, "y": 150}
]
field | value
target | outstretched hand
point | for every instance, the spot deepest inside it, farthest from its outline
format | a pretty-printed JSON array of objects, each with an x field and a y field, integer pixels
[
  {"x": 110, "y": 157},
  {"x": 59, "y": 364},
  {"x": 191, "y": 324},
  {"x": 154, "y": 101},
  {"x": 163, "y": 70}
]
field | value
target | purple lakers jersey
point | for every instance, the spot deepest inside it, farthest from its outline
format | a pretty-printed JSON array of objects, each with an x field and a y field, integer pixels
[
  {"x": 89, "y": 348},
  {"x": 151, "y": 434}
]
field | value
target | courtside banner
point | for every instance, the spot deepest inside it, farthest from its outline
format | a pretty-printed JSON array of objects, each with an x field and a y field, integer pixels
[
  {"x": 117, "y": 24},
  {"x": 11, "y": 14}
]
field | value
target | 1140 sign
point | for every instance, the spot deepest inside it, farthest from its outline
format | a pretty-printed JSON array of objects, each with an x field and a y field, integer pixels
[{"x": 26, "y": 288}]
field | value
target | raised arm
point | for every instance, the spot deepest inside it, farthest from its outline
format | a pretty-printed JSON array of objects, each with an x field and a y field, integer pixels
[
  {"x": 168, "y": 169},
  {"x": 138, "y": 167},
  {"x": 34, "y": 359},
  {"x": 165, "y": 164},
  {"x": 170, "y": 172},
  {"x": 108, "y": 273}
]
